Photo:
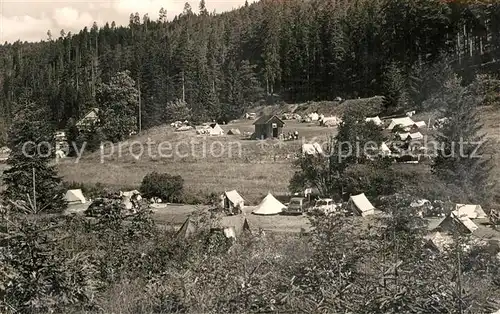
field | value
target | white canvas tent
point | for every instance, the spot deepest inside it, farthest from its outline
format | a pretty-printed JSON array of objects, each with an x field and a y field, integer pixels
[
  {"x": 411, "y": 136},
  {"x": 419, "y": 124},
  {"x": 403, "y": 136},
  {"x": 375, "y": 120},
  {"x": 215, "y": 129},
  {"x": 75, "y": 197},
  {"x": 438, "y": 241},
  {"x": 131, "y": 195},
  {"x": 311, "y": 149},
  {"x": 91, "y": 117},
  {"x": 269, "y": 206},
  {"x": 360, "y": 205},
  {"x": 471, "y": 211},
  {"x": 403, "y": 122},
  {"x": 232, "y": 199},
  {"x": 127, "y": 202},
  {"x": 330, "y": 121},
  {"x": 313, "y": 116},
  {"x": 415, "y": 136},
  {"x": 384, "y": 149}
]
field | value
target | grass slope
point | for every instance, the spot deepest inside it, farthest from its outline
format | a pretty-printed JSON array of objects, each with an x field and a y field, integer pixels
[
  {"x": 256, "y": 171},
  {"x": 252, "y": 167}
]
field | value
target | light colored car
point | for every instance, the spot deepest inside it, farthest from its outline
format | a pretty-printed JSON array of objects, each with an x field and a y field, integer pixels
[{"x": 325, "y": 206}]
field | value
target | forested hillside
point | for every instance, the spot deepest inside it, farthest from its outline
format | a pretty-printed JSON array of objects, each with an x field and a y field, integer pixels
[{"x": 293, "y": 50}]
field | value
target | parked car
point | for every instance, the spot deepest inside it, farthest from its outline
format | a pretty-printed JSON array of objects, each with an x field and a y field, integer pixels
[
  {"x": 297, "y": 206},
  {"x": 324, "y": 206}
]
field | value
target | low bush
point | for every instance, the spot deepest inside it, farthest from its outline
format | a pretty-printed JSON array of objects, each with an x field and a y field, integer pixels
[{"x": 167, "y": 187}]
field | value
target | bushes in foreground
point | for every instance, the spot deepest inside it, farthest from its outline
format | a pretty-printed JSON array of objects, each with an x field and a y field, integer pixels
[
  {"x": 164, "y": 186},
  {"x": 345, "y": 265}
]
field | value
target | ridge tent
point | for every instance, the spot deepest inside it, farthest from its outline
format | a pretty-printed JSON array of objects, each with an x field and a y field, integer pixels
[
  {"x": 471, "y": 211},
  {"x": 187, "y": 229},
  {"x": 384, "y": 149},
  {"x": 415, "y": 136},
  {"x": 312, "y": 149},
  {"x": 269, "y": 206},
  {"x": 375, "y": 120},
  {"x": 438, "y": 241},
  {"x": 75, "y": 197},
  {"x": 455, "y": 222},
  {"x": 419, "y": 124},
  {"x": 360, "y": 205},
  {"x": 232, "y": 199},
  {"x": 246, "y": 226},
  {"x": 403, "y": 122}
]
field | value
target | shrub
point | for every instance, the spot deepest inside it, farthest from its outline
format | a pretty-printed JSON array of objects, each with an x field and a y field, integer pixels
[
  {"x": 38, "y": 274},
  {"x": 163, "y": 185}
]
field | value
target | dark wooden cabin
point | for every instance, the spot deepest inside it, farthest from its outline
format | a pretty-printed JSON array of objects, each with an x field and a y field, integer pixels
[{"x": 268, "y": 126}]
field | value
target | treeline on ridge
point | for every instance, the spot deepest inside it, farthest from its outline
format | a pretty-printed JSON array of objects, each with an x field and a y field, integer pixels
[{"x": 266, "y": 51}]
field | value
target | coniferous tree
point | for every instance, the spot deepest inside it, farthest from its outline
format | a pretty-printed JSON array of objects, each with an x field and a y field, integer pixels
[
  {"x": 203, "y": 8},
  {"x": 177, "y": 111},
  {"x": 462, "y": 157},
  {"x": 396, "y": 96},
  {"x": 31, "y": 178}
]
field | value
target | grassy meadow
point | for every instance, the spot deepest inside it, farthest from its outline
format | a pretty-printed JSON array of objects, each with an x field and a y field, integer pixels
[
  {"x": 217, "y": 163},
  {"x": 207, "y": 164}
]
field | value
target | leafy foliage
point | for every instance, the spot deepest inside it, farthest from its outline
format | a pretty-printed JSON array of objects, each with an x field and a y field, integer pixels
[
  {"x": 39, "y": 275},
  {"x": 119, "y": 104},
  {"x": 163, "y": 185}
]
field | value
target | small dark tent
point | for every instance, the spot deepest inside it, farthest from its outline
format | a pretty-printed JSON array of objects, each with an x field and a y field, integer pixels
[
  {"x": 246, "y": 226},
  {"x": 188, "y": 229}
]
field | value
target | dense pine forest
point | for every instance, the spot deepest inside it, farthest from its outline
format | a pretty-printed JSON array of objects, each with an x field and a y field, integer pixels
[{"x": 272, "y": 50}]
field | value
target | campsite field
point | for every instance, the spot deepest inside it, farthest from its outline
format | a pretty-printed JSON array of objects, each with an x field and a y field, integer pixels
[
  {"x": 214, "y": 164},
  {"x": 207, "y": 164},
  {"x": 172, "y": 216}
]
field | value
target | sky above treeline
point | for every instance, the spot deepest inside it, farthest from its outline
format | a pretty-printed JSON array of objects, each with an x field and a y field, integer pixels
[{"x": 30, "y": 20}]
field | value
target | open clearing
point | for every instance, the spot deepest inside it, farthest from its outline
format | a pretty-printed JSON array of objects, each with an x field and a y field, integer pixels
[
  {"x": 207, "y": 164},
  {"x": 214, "y": 164},
  {"x": 253, "y": 169}
]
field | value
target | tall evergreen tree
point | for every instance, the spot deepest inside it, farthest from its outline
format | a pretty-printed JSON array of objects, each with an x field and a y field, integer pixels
[
  {"x": 462, "y": 157},
  {"x": 31, "y": 178},
  {"x": 203, "y": 8}
]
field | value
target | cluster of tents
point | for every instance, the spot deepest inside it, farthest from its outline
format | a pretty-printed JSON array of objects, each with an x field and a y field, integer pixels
[
  {"x": 75, "y": 197},
  {"x": 233, "y": 201},
  {"x": 461, "y": 220},
  {"x": 212, "y": 129}
]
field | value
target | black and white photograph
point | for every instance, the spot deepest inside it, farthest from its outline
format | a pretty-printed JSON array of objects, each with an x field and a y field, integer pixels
[{"x": 250, "y": 156}]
